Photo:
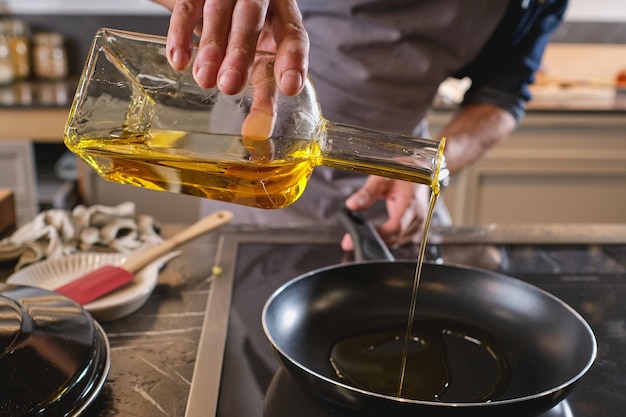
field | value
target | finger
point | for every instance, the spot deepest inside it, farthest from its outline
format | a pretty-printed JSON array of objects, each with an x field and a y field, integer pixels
[
  {"x": 398, "y": 195},
  {"x": 409, "y": 213},
  {"x": 217, "y": 16},
  {"x": 400, "y": 202},
  {"x": 258, "y": 125},
  {"x": 346, "y": 243},
  {"x": 292, "y": 47},
  {"x": 247, "y": 21},
  {"x": 373, "y": 189},
  {"x": 185, "y": 16}
]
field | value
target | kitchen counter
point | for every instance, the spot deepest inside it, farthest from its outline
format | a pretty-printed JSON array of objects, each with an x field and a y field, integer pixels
[
  {"x": 578, "y": 99},
  {"x": 172, "y": 357},
  {"x": 42, "y": 125},
  {"x": 153, "y": 351},
  {"x": 562, "y": 101}
]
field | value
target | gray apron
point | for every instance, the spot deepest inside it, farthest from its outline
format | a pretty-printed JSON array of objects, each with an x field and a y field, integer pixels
[{"x": 377, "y": 64}]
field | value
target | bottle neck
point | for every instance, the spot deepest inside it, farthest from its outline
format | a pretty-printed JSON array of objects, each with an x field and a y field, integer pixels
[{"x": 381, "y": 153}]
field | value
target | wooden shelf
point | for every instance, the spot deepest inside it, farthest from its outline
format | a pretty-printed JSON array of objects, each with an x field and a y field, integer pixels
[{"x": 36, "y": 124}]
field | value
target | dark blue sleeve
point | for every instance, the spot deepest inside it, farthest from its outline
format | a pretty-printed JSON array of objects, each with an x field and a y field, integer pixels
[{"x": 506, "y": 66}]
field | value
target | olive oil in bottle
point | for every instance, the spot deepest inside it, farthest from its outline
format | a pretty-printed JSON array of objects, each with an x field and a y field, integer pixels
[
  {"x": 142, "y": 160},
  {"x": 137, "y": 121}
]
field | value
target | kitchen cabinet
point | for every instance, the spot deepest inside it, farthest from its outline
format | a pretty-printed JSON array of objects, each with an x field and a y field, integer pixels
[
  {"x": 563, "y": 167},
  {"x": 17, "y": 173},
  {"x": 22, "y": 129}
]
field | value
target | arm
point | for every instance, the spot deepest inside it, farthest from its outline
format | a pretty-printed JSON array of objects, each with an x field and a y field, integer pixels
[
  {"x": 230, "y": 33},
  {"x": 491, "y": 110},
  {"x": 472, "y": 131}
]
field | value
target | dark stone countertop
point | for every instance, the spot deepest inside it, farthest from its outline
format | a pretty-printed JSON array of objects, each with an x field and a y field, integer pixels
[{"x": 153, "y": 351}]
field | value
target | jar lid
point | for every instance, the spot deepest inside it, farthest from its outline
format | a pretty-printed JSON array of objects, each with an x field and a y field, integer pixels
[
  {"x": 54, "y": 357},
  {"x": 48, "y": 38},
  {"x": 17, "y": 27}
]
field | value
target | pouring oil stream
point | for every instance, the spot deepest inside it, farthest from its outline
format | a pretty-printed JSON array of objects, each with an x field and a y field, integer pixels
[{"x": 434, "y": 194}]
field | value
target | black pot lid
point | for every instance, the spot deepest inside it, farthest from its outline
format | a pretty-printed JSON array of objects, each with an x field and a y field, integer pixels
[{"x": 54, "y": 357}]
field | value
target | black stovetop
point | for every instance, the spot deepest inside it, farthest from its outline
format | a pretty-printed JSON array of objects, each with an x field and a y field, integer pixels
[{"x": 590, "y": 278}]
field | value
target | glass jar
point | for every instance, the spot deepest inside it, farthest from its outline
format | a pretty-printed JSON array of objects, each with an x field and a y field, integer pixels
[
  {"x": 18, "y": 35},
  {"x": 50, "y": 56},
  {"x": 7, "y": 72}
]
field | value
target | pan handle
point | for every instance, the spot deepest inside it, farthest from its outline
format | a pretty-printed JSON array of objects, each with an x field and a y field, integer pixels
[{"x": 368, "y": 245}]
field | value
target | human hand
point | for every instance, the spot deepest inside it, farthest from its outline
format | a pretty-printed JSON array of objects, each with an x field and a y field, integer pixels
[
  {"x": 230, "y": 32},
  {"x": 257, "y": 127},
  {"x": 407, "y": 207}
]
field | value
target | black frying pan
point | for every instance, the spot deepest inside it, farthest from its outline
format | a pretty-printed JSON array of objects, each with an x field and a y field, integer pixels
[{"x": 547, "y": 346}]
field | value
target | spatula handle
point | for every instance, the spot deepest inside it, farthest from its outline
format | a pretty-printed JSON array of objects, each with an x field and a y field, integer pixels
[{"x": 136, "y": 261}]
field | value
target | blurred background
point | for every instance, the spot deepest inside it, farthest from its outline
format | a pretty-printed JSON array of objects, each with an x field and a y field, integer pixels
[{"x": 571, "y": 144}]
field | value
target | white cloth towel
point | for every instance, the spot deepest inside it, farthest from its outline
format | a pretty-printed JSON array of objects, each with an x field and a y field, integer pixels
[{"x": 56, "y": 233}]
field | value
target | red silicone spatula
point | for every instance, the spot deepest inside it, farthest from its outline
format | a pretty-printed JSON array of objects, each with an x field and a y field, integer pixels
[{"x": 105, "y": 279}]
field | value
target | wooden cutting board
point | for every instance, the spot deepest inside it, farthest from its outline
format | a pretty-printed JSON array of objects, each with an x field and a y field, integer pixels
[{"x": 7, "y": 212}]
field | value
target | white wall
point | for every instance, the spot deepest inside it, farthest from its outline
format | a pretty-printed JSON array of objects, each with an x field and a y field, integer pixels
[
  {"x": 579, "y": 10},
  {"x": 93, "y": 7}
]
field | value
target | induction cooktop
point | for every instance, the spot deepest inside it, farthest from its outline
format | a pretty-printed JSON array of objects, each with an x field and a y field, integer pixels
[{"x": 237, "y": 373}]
